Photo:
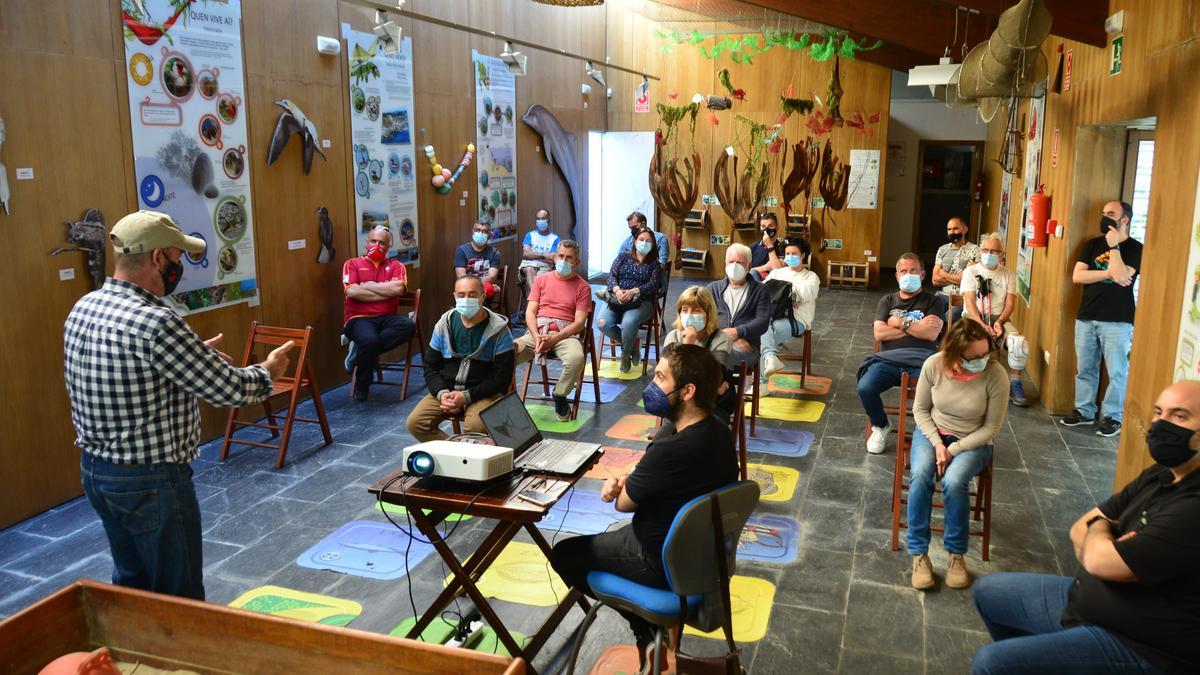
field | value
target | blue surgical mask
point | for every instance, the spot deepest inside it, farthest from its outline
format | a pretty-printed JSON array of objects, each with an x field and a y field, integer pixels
[
  {"x": 910, "y": 283},
  {"x": 542, "y": 225},
  {"x": 467, "y": 307},
  {"x": 563, "y": 268},
  {"x": 643, "y": 247},
  {"x": 480, "y": 238},
  {"x": 791, "y": 260},
  {"x": 975, "y": 365},
  {"x": 657, "y": 401},
  {"x": 989, "y": 260},
  {"x": 695, "y": 320}
]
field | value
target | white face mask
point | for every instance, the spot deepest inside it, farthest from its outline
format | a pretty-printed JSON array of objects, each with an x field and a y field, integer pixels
[
  {"x": 695, "y": 320},
  {"x": 989, "y": 260},
  {"x": 736, "y": 272}
]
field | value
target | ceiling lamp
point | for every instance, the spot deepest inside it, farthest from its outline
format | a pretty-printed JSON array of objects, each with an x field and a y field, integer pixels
[
  {"x": 933, "y": 76},
  {"x": 514, "y": 60},
  {"x": 387, "y": 32},
  {"x": 593, "y": 72}
]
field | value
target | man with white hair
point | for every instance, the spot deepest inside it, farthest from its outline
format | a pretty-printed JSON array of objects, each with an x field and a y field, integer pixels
[
  {"x": 743, "y": 305},
  {"x": 990, "y": 296}
]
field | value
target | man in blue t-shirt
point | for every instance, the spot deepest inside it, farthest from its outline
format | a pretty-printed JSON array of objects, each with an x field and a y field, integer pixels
[
  {"x": 538, "y": 248},
  {"x": 479, "y": 259}
]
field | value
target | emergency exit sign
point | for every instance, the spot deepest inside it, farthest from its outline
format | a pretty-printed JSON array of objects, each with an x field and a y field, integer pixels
[{"x": 1116, "y": 55}]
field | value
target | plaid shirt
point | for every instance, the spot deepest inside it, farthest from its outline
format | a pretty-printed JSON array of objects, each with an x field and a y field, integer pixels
[{"x": 134, "y": 369}]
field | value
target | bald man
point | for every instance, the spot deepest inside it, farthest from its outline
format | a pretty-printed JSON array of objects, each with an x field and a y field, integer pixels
[
  {"x": 1134, "y": 606},
  {"x": 952, "y": 258}
]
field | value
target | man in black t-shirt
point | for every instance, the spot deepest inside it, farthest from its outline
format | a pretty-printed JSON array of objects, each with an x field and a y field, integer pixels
[
  {"x": 1134, "y": 606},
  {"x": 479, "y": 259},
  {"x": 697, "y": 459},
  {"x": 766, "y": 254},
  {"x": 1107, "y": 268},
  {"x": 910, "y": 318}
]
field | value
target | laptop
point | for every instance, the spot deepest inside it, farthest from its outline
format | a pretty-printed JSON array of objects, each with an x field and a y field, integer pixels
[{"x": 510, "y": 426}]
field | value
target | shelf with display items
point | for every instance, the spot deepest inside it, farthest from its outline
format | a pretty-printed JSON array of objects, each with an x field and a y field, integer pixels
[
  {"x": 698, "y": 219},
  {"x": 692, "y": 258},
  {"x": 855, "y": 275}
]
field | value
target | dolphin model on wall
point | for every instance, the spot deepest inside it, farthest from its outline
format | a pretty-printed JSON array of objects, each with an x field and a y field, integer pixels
[{"x": 559, "y": 145}]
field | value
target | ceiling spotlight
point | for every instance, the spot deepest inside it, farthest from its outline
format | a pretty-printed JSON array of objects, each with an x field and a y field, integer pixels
[
  {"x": 594, "y": 73},
  {"x": 387, "y": 32},
  {"x": 513, "y": 59}
]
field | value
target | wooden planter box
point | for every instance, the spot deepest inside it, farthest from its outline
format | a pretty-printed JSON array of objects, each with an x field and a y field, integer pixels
[{"x": 175, "y": 633}]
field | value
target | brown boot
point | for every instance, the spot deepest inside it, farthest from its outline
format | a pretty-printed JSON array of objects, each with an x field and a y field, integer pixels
[
  {"x": 956, "y": 572},
  {"x": 922, "y": 572}
]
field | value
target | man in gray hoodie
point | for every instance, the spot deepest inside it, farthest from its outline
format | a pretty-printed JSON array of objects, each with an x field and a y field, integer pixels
[{"x": 468, "y": 364}]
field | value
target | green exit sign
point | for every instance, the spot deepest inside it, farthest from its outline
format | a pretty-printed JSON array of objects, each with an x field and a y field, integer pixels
[{"x": 1117, "y": 55}]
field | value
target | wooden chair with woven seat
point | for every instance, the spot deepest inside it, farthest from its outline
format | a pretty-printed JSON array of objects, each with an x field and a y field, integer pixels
[
  {"x": 804, "y": 357},
  {"x": 981, "y": 510},
  {"x": 410, "y": 303},
  {"x": 653, "y": 335},
  {"x": 301, "y": 379},
  {"x": 590, "y": 357}
]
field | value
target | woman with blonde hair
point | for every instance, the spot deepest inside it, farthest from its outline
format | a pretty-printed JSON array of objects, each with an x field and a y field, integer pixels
[
  {"x": 696, "y": 323},
  {"x": 962, "y": 397}
]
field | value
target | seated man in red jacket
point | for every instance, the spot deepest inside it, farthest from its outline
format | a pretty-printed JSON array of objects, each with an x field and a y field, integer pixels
[{"x": 373, "y": 284}]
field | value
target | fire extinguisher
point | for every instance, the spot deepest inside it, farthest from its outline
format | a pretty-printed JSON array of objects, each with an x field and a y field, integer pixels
[
  {"x": 1039, "y": 213},
  {"x": 978, "y": 192}
]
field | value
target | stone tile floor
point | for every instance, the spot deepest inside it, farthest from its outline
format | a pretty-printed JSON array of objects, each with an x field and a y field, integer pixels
[{"x": 844, "y": 606}]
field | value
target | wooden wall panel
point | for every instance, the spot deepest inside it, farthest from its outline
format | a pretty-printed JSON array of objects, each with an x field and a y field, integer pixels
[{"x": 1161, "y": 52}]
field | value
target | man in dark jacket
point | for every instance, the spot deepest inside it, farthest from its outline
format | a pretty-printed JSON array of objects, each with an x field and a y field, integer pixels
[
  {"x": 743, "y": 305},
  {"x": 469, "y": 364}
]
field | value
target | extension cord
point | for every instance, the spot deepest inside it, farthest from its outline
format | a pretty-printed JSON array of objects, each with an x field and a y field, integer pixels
[{"x": 475, "y": 629}]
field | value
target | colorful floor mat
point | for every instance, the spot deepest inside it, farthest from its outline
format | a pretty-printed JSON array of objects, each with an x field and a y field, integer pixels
[
  {"x": 769, "y": 539},
  {"x": 779, "y": 441},
  {"x": 366, "y": 548},
  {"x": 609, "y": 391},
  {"x": 440, "y": 630},
  {"x": 776, "y": 483},
  {"x": 788, "y": 409},
  {"x": 623, "y": 660},
  {"x": 545, "y": 419},
  {"x": 521, "y": 574},
  {"x": 397, "y": 510},
  {"x": 292, "y": 604},
  {"x": 752, "y": 600},
  {"x": 633, "y": 428},
  {"x": 612, "y": 370},
  {"x": 582, "y": 512},
  {"x": 789, "y": 383},
  {"x": 616, "y": 461}
]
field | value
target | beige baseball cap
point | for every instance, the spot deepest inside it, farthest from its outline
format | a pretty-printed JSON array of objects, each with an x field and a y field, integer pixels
[{"x": 144, "y": 231}]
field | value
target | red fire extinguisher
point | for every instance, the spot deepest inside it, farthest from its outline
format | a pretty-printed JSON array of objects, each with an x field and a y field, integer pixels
[
  {"x": 1039, "y": 213},
  {"x": 978, "y": 192}
]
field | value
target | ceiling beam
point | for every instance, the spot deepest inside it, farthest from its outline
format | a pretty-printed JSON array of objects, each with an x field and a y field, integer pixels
[{"x": 1079, "y": 20}]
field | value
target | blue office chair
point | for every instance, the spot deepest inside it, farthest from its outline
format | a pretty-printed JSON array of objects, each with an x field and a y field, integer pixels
[{"x": 697, "y": 572}]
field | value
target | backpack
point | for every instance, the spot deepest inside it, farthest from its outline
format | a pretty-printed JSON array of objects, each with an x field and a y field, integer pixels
[{"x": 781, "y": 303}]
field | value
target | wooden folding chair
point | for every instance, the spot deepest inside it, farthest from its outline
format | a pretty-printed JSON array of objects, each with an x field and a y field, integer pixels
[
  {"x": 653, "y": 334},
  {"x": 981, "y": 510},
  {"x": 662, "y": 301},
  {"x": 501, "y": 304},
  {"x": 302, "y": 378},
  {"x": 752, "y": 396},
  {"x": 410, "y": 303},
  {"x": 804, "y": 357},
  {"x": 739, "y": 418},
  {"x": 589, "y": 357}
]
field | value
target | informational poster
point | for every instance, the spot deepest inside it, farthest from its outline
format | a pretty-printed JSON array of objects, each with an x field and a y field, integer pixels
[
  {"x": 183, "y": 63},
  {"x": 1005, "y": 205},
  {"x": 1187, "y": 356},
  {"x": 383, "y": 159},
  {"x": 1033, "y": 165},
  {"x": 864, "y": 179},
  {"x": 496, "y": 125}
]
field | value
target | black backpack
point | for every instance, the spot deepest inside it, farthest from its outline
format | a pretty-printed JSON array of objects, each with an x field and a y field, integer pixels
[{"x": 781, "y": 302}]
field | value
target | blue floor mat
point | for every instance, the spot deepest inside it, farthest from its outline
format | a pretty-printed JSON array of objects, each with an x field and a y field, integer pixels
[{"x": 367, "y": 549}]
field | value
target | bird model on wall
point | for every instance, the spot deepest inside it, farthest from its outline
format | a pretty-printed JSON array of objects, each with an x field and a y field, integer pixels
[
  {"x": 559, "y": 145},
  {"x": 325, "y": 234},
  {"x": 293, "y": 121},
  {"x": 88, "y": 238}
]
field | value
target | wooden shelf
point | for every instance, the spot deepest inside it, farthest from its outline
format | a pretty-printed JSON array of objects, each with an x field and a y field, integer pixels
[
  {"x": 698, "y": 219},
  {"x": 849, "y": 275},
  {"x": 693, "y": 258}
]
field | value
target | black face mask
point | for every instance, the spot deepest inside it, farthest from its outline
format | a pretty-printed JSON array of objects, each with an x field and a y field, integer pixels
[
  {"x": 954, "y": 236},
  {"x": 770, "y": 231},
  {"x": 1169, "y": 443},
  {"x": 171, "y": 276},
  {"x": 1106, "y": 223}
]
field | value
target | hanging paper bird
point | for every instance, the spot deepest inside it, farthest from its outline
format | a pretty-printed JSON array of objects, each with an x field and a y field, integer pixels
[
  {"x": 325, "y": 234},
  {"x": 293, "y": 121},
  {"x": 87, "y": 235},
  {"x": 723, "y": 78}
]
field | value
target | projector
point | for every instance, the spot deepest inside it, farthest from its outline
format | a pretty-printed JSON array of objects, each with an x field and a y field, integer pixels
[{"x": 462, "y": 461}]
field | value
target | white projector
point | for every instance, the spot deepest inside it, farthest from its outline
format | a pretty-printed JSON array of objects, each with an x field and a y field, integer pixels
[{"x": 463, "y": 461}]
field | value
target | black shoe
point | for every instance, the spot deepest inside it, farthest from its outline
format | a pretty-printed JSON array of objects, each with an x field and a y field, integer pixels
[
  {"x": 1108, "y": 427},
  {"x": 360, "y": 395},
  {"x": 562, "y": 409},
  {"x": 1076, "y": 419}
]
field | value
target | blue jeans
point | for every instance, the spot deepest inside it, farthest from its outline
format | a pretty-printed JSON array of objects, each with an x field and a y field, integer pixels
[
  {"x": 1023, "y": 614},
  {"x": 778, "y": 333},
  {"x": 1093, "y": 339},
  {"x": 879, "y": 378},
  {"x": 152, "y": 519},
  {"x": 956, "y": 488},
  {"x": 622, "y": 324}
]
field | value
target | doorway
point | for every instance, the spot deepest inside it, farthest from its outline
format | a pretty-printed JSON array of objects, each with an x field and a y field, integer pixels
[
  {"x": 613, "y": 157},
  {"x": 949, "y": 171}
]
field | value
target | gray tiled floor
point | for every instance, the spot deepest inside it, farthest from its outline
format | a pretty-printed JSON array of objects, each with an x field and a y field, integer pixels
[{"x": 844, "y": 606}]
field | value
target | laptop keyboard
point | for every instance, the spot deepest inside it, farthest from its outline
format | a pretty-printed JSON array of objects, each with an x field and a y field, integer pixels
[{"x": 549, "y": 453}]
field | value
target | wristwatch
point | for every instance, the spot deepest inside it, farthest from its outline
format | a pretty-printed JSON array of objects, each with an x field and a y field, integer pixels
[
  {"x": 1099, "y": 516},
  {"x": 906, "y": 324}
]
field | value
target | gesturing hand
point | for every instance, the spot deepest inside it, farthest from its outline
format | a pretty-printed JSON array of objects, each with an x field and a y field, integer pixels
[
  {"x": 215, "y": 343},
  {"x": 276, "y": 362}
]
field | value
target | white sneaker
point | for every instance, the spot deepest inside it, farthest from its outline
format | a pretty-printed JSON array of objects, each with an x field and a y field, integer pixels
[
  {"x": 771, "y": 365},
  {"x": 877, "y": 440}
]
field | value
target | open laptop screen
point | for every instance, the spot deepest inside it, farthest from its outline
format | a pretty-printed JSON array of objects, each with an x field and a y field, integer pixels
[{"x": 510, "y": 424}]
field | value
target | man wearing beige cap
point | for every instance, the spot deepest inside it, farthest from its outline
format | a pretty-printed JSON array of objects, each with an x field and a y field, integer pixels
[{"x": 134, "y": 369}]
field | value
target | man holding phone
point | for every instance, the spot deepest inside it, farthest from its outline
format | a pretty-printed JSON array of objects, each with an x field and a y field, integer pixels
[{"x": 697, "y": 459}]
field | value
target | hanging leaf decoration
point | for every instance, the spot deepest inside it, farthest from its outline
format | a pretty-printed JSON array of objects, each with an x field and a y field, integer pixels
[{"x": 744, "y": 50}]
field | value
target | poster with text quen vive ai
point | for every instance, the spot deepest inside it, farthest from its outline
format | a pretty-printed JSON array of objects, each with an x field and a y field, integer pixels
[
  {"x": 496, "y": 128},
  {"x": 183, "y": 63}
]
